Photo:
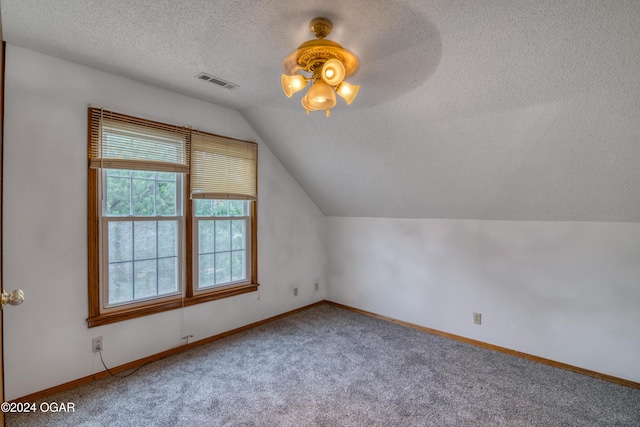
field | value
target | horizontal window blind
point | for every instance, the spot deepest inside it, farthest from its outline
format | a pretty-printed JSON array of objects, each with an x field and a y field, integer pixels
[
  {"x": 223, "y": 168},
  {"x": 117, "y": 141}
]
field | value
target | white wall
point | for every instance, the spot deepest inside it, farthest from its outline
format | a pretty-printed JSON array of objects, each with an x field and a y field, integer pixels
[
  {"x": 566, "y": 291},
  {"x": 46, "y": 339}
]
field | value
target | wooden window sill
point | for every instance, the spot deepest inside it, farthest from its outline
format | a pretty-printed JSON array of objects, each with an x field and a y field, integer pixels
[{"x": 118, "y": 316}]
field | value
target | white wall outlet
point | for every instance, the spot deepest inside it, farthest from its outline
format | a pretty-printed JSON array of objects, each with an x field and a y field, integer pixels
[
  {"x": 316, "y": 286},
  {"x": 97, "y": 344},
  {"x": 295, "y": 292},
  {"x": 477, "y": 318}
]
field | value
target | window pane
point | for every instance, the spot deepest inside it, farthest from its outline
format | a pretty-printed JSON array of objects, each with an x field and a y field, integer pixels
[
  {"x": 145, "y": 274},
  {"x": 223, "y": 236},
  {"x": 120, "y": 282},
  {"x": 167, "y": 275},
  {"x": 206, "y": 270},
  {"x": 165, "y": 198},
  {"x": 220, "y": 207},
  {"x": 203, "y": 207},
  {"x": 237, "y": 266},
  {"x": 118, "y": 172},
  {"x": 120, "y": 241},
  {"x": 167, "y": 238},
  {"x": 223, "y": 268},
  {"x": 166, "y": 176},
  {"x": 145, "y": 279},
  {"x": 144, "y": 240},
  {"x": 237, "y": 234},
  {"x": 236, "y": 207},
  {"x": 118, "y": 194},
  {"x": 206, "y": 237},
  {"x": 142, "y": 197},
  {"x": 143, "y": 174},
  {"x": 147, "y": 194}
]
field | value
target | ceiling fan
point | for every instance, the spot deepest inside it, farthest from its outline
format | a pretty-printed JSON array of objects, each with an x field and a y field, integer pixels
[{"x": 327, "y": 63}]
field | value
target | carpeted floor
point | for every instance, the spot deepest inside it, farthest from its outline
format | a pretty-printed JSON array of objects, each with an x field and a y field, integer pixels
[{"x": 327, "y": 366}]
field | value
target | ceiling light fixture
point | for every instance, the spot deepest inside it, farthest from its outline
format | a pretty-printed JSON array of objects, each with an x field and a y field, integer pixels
[{"x": 328, "y": 64}]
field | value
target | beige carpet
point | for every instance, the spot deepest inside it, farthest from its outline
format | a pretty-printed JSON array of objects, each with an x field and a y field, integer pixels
[{"x": 327, "y": 366}]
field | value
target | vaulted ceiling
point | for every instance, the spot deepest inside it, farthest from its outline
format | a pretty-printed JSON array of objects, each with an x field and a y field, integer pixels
[{"x": 519, "y": 110}]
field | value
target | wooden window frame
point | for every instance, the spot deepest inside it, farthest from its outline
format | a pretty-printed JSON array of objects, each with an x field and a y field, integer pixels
[{"x": 97, "y": 316}]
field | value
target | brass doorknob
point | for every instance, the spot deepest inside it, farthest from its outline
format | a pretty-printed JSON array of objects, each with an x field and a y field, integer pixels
[{"x": 14, "y": 297}]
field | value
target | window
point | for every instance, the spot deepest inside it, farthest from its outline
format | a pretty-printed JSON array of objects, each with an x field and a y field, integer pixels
[
  {"x": 142, "y": 231},
  {"x": 220, "y": 239},
  {"x": 171, "y": 217}
]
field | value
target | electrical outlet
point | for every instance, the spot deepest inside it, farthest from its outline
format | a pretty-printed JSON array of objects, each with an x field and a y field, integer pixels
[
  {"x": 97, "y": 344},
  {"x": 295, "y": 292},
  {"x": 316, "y": 286},
  {"x": 477, "y": 318}
]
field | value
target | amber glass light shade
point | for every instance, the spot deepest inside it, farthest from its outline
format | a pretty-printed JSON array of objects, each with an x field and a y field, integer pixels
[
  {"x": 306, "y": 105},
  {"x": 333, "y": 72},
  {"x": 293, "y": 84},
  {"x": 321, "y": 96},
  {"x": 348, "y": 92}
]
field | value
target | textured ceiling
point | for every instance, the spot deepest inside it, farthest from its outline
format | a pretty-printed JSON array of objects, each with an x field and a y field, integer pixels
[{"x": 476, "y": 109}]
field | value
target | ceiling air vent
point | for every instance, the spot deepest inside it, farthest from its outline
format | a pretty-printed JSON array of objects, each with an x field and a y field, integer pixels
[{"x": 216, "y": 80}]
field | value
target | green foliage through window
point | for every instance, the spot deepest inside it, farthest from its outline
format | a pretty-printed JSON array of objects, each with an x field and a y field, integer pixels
[{"x": 141, "y": 193}]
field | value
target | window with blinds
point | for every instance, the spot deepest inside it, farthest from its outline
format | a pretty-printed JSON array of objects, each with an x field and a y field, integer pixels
[
  {"x": 118, "y": 141},
  {"x": 152, "y": 249},
  {"x": 223, "y": 168}
]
